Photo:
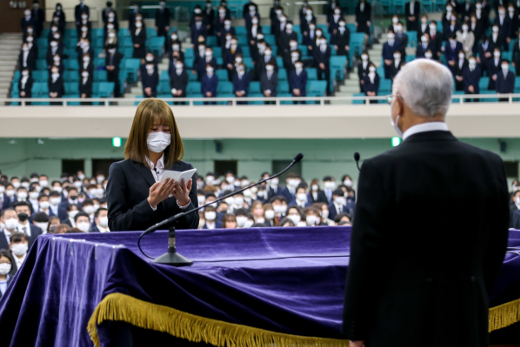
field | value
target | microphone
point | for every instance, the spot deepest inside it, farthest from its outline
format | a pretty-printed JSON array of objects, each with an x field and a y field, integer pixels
[
  {"x": 356, "y": 158},
  {"x": 172, "y": 257}
]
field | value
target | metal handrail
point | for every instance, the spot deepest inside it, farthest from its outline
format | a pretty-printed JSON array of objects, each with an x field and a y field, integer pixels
[{"x": 234, "y": 101}]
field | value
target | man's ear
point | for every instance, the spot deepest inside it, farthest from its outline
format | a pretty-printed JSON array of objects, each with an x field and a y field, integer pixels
[{"x": 399, "y": 105}]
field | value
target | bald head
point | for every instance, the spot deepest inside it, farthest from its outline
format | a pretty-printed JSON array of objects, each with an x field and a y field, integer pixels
[{"x": 425, "y": 86}]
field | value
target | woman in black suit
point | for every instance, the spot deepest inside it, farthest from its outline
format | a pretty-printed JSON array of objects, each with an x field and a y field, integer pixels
[
  {"x": 7, "y": 270},
  {"x": 136, "y": 198},
  {"x": 25, "y": 85},
  {"x": 139, "y": 40},
  {"x": 85, "y": 86},
  {"x": 56, "y": 87}
]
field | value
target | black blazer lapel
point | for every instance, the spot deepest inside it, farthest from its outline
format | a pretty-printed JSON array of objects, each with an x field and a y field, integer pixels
[{"x": 145, "y": 172}]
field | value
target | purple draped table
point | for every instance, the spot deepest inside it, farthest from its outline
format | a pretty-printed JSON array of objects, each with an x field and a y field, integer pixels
[{"x": 282, "y": 284}]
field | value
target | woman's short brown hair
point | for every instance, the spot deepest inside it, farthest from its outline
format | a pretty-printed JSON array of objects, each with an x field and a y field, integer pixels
[{"x": 148, "y": 112}]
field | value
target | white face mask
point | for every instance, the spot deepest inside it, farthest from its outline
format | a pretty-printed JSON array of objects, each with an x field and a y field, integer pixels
[
  {"x": 280, "y": 208},
  {"x": 22, "y": 195},
  {"x": 269, "y": 214},
  {"x": 301, "y": 197},
  {"x": 311, "y": 220},
  {"x": 9, "y": 192},
  {"x": 329, "y": 185},
  {"x": 44, "y": 205},
  {"x": 83, "y": 226},
  {"x": 158, "y": 141},
  {"x": 88, "y": 209},
  {"x": 274, "y": 182},
  {"x": 72, "y": 214},
  {"x": 241, "y": 221},
  {"x": 314, "y": 187},
  {"x": 295, "y": 218},
  {"x": 347, "y": 182},
  {"x": 364, "y": 57},
  {"x": 238, "y": 201},
  {"x": 210, "y": 215},
  {"x": 395, "y": 126},
  {"x": 103, "y": 221},
  {"x": 11, "y": 223},
  {"x": 5, "y": 268},
  {"x": 42, "y": 226},
  {"x": 2, "y": 189},
  {"x": 33, "y": 195},
  {"x": 340, "y": 200},
  {"x": 19, "y": 249},
  {"x": 55, "y": 201}
]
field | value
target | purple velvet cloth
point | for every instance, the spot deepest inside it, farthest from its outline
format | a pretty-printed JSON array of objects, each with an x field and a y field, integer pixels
[{"x": 288, "y": 280}]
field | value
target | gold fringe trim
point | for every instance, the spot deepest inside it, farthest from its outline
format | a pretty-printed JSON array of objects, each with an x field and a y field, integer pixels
[
  {"x": 504, "y": 315},
  {"x": 120, "y": 307}
]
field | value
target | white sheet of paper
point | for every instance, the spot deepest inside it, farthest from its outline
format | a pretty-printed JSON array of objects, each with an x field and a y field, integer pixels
[{"x": 178, "y": 175}]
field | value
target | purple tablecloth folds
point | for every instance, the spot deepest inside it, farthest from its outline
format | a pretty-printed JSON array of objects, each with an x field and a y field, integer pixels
[{"x": 273, "y": 283}]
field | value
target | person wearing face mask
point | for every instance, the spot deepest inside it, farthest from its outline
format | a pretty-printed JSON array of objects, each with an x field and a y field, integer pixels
[
  {"x": 241, "y": 81},
  {"x": 315, "y": 194},
  {"x": 230, "y": 55},
  {"x": 173, "y": 43},
  {"x": 322, "y": 55},
  {"x": 342, "y": 39},
  {"x": 452, "y": 27},
  {"x": 436, "y": 39},
  {"x": 149, "y": 79},
  {"x": 84, "y": 27},
  {"x": 362, "y": 69},
  {"x": 504, "y": 27},
  {"x": 423, "y": 28},
  {"x": 269, "y": 82},
  {"x": 493, "y": 68},
  {"x": 28, "y": 22},
  {"x": 54, "y": 203},
  {"x": 306, "y": 19},
  {"x": 267, "y": 58},
  {"x": 55, "y": 85},
  {"x": 289, "y": 192},
  {"x": 41, "y": 220},
  {"x": 298, "y": 81},
  {"x": 428, "y": 157},
  {"x": 457, "y": 70},
  {"x": 516, "y": 56},
  {"x": 300, "y": 197},
  {"x": 250, "y": 14},
  {"x": 111, "y": 37},
  {"x": 505, "y": 82},
  {"x": 423, "y": 46},
  {"x": 133, "y": 13},
  {"x": 397, "y": 64},
  {"x": 85, "y": 86},
  {"x": 178, "y": 80},
  {"x": 252, "y": 33},
  {"x": 53, "y": 50},
  {"x": 412, "y": 13},
  {"x": 100, "y": 224},
  {"x": 109, "y": 15},
  {"x": 451, "y": 50},
  {"x": 467, "y": 39},
  {"x": 333, "y": 23},
  {"x": 27, "y": 58},
  {"x": 80, "y": 10},
  {"x": 25, "y": 84},
  {"x": 19, "y": 246},
  {"x": 371, "y": 83},
  {"x": 363, "y": 18},
  {"x": 7, "y": 270},
  {"x": 112, "y": 66},
  {"x": 471, "y": 78},
  {"x": 389, "y": 48},
  {"x": 70, "y": 213},
  {"x": 60, "y": 15},
  {"x": 221, "y": 17},
  {"x": 33, "y": 199},
  {"x": 162, "y": 19},
  {"x": 514, "y": 17},
  {"x": 198, "y": 29},
  {"x": 139, "y": 40},
  {"x": 83, "y": 48},
  {"x": 24, "y": 211},
  {"x": 9, "y": 222},
  {"x": 9, "y": 196},
  {"x": 285, "y": 37},
  {"x": 138, "y": 201},
  {"x": 292, "y": 56},
  {"x": 210, "y": 216},
  {"x": 82, "y": 222}
]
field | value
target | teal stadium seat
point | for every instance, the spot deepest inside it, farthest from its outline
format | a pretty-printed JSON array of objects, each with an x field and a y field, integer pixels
[
  {"x": 100, "y": 76},
  {"x": 131, "y": 67},
  {"x": 157, "y": 44},
  {"x": 316, "y": 88},
  {"x": 164, "y": 76},
  {"x": 283, "y": 87},
  {"x": 163, "y": 87},
  {"x": 71, "y": 76},
  {"x": 337, "y": 64},
  {"x": 224, "y": 87},
  {"x": 193, "y": 88},
  {"x": 282, "y": 75},
  {"x": 312, "y": 74},
  {"x": 222, "y": 74},
  {"x": 254, "y": 88},
  {"x": 358, "y": 102}
]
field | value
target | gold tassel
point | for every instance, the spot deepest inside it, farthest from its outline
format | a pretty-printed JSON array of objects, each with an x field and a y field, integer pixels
[
  {"x": 120, "y": 307},
  {"x": 504, "y": 315}
]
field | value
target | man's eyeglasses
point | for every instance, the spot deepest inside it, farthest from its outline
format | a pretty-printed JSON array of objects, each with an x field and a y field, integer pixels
[{"x": 391, "y": 98}]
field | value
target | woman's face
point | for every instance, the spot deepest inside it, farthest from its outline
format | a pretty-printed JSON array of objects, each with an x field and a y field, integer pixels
[
  {"x": 258, "y": 211},
  {"x": 4, "y": 260},
  {"x": 230, "y": 225},
  {"x": 159, "y": 127},
  {"x": 293, "y": 212}
]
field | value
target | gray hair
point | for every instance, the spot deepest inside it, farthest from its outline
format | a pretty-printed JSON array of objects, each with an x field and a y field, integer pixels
[{"x": 425, "y": 86}]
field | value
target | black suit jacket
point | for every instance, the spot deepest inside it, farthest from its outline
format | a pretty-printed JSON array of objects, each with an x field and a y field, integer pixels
[
  {"x": 424, "y": 280},
  {"x": 269, "y": 84},
  {"x": 179, "y": 82},
  {"x": 87, "y": 87},
  {"x": 127, "y": 193}
]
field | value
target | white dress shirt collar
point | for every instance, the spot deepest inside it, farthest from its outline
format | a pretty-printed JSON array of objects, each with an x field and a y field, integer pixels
[
  {"x": 27, "y": 226},
  {"x": 158, "y": 170},
  {"x": 425, "y": 127},
  {"x": 19, "y": 261}
]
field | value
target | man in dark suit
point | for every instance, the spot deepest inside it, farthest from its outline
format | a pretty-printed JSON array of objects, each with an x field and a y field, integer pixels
[
  {"x": 516, "y": 56},
  {"x": 79, "y": 10},
  {"x": 363, "y": 17},
  {"x": 209, "y": 83},
  {"x": 269, "y": 82},
  {"x": 436, "y": 40},
  {"x": 493, "y": 68},
  {"x": 162, "y": 19},
  {"x": 412, "y": 13},
  {"x": 197, "y": 29},
  {"x": 39, "y": 17},
  {"x": 505, "y": 82},
  {"x": 471, "y": 77},
  {"x": 25, "y": 89},
  {"x": 322, "y": 62},
  {"x": 100, "y": 224},
  {"x": 342, "y": 39},
  {"x": 389, "y": 48},
  {"x": 85, "y": 86},
  {"x": 432, "y": 290},
  {"x": 484, "y": 53},
  {"x": 23, "y": 209},
  {"x": 504, "y": 27},
  {"x": 28, "y": 22},
  {"x": 286, "y": 36},
  {"x": 452, "y": 49},
  {"x": 112, "y": 65},
  {"x": 298, "y": 81},
  {"x": 241, "y": 82}
]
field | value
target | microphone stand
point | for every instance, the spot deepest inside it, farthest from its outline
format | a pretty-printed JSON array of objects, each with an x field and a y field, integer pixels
[{"x": 176, "y": 259}]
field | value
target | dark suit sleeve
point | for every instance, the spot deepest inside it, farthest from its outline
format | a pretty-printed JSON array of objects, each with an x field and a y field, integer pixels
[
  {"x": 120, "y": 216},
  {"x": 367, "y": 253},
  {"x": 497, "y": 243},
  {"x": 190, "y": 221}
]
